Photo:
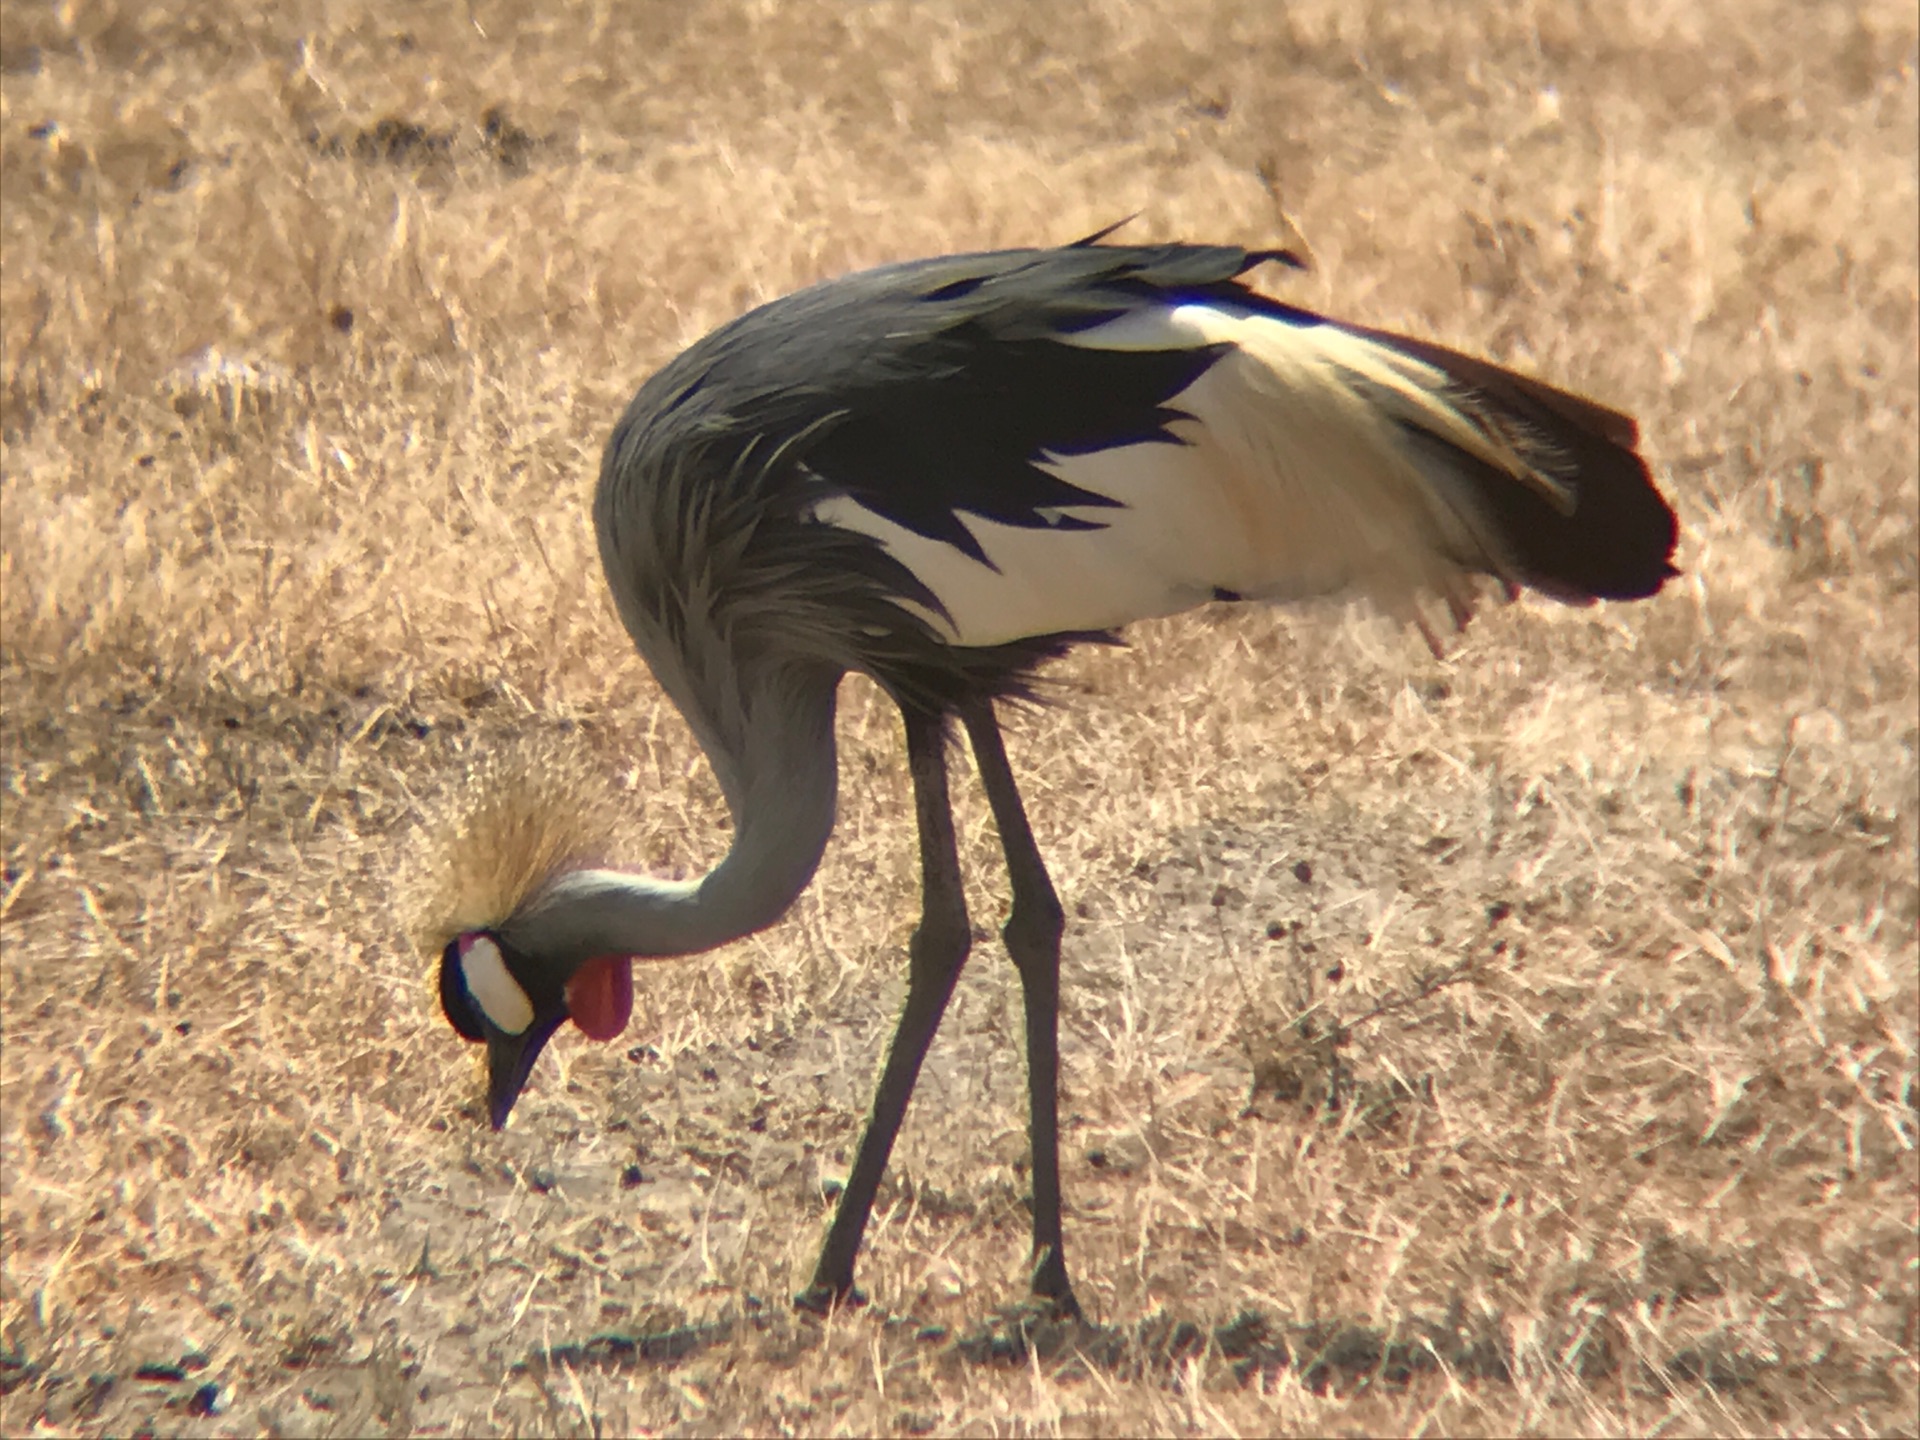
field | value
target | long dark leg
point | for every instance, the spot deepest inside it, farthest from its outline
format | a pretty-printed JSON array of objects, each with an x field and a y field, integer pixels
[
  {"x": 1032, "y": 934},
  {"x": 938, "y": 950}
]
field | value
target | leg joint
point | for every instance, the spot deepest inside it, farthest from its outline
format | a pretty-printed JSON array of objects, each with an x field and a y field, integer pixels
[
  {"x": 941, "y": 940},
  {"x": 1034, "y": 926}
]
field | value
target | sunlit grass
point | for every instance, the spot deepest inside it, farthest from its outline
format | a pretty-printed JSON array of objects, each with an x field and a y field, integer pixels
[{"x": 1527, "y": 1038}]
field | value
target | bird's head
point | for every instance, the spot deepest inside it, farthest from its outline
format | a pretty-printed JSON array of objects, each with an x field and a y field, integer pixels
[
  {"x": 494, "y": 995},
  {"x": 493, "y": 844}
]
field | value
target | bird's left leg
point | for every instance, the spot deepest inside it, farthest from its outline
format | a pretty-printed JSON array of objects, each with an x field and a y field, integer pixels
[
  {"x": 935, "y": 954},
  {"x": 1032, "y": 936}
]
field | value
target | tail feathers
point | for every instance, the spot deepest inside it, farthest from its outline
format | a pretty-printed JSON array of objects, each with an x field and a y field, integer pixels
[{"x": 1554, "y": 480}]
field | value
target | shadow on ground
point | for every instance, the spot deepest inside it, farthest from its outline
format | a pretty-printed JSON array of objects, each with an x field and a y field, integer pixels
[{"x": 1327, "y": 1356}]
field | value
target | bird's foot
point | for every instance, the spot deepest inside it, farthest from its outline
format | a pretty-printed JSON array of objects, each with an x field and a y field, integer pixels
[
  {"x": 1063, "y": 1305},
  {"x": 821, "y": 1298},
  {"x": 1052, "y": 1290}
]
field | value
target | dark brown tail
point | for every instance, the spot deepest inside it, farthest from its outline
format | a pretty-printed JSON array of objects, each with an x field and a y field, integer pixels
[{"x": 1607, "y": 534}]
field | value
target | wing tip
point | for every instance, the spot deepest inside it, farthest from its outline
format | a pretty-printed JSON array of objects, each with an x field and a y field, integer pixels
[
  {"x": 1291, "y": 259},
  {"x": 1249, "y": 259},
  {"x": 1087, "y": 242}
]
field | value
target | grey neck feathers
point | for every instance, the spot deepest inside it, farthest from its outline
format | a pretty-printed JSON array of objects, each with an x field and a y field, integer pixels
[{"x": 771, "y": 745}]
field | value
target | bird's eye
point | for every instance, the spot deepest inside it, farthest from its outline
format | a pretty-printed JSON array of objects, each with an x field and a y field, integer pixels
[
  {"x": 456, "y": 1001},
  {"x": 487, "y": 985}
]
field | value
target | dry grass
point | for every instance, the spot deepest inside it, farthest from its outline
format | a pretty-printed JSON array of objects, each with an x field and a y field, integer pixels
[{"x": 307, "y": 363}]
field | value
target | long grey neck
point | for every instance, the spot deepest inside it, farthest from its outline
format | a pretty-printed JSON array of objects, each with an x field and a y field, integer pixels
[{"x": 771, "y": 744}]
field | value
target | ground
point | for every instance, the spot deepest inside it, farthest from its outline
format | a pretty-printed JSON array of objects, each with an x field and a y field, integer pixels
[{"x": 1519, "y": 1041}]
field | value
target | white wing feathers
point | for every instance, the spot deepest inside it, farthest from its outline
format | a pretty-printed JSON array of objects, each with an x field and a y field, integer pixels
[{"x": 1316, "y": 461}]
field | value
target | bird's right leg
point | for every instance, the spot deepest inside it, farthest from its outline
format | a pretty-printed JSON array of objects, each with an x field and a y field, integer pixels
[
  {"x": 937, "y": 951},
  {"x": 1032, "y": 936}
]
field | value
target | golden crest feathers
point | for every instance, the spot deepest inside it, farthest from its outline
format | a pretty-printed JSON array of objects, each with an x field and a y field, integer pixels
[{"x": 519, "y": 816}]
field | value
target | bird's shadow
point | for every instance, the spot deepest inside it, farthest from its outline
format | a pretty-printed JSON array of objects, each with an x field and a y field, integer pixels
[
  {"x": 1328, "y": 1355},
  {"x": 619, "y": 1350},
  {"x": 1325, "y": 1356}
]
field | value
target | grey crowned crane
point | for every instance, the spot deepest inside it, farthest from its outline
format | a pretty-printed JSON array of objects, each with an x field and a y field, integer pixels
[{"x": 946, "y": 472}]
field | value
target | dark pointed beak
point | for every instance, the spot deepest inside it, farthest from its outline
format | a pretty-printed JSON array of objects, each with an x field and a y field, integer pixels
[{"x": 510, "y": 1061}]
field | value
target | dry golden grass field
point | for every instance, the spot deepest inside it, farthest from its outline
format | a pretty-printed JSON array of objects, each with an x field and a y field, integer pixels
[{"x": 1520, "y": 1041}]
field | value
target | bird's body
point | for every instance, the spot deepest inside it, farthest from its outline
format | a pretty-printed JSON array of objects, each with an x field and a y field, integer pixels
[{"x": 944, "y": 473}]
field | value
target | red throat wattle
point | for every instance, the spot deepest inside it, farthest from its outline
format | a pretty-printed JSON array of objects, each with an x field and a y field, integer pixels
[{"x": 600, "y": 996}]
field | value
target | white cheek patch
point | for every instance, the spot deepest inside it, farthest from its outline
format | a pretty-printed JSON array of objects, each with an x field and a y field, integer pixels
[{"x": 499, "y": 994}]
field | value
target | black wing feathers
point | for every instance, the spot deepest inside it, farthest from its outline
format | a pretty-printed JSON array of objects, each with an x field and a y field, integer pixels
[
  {"x": 967, "y": 440},
  {"x": 940, "y": 387}
]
